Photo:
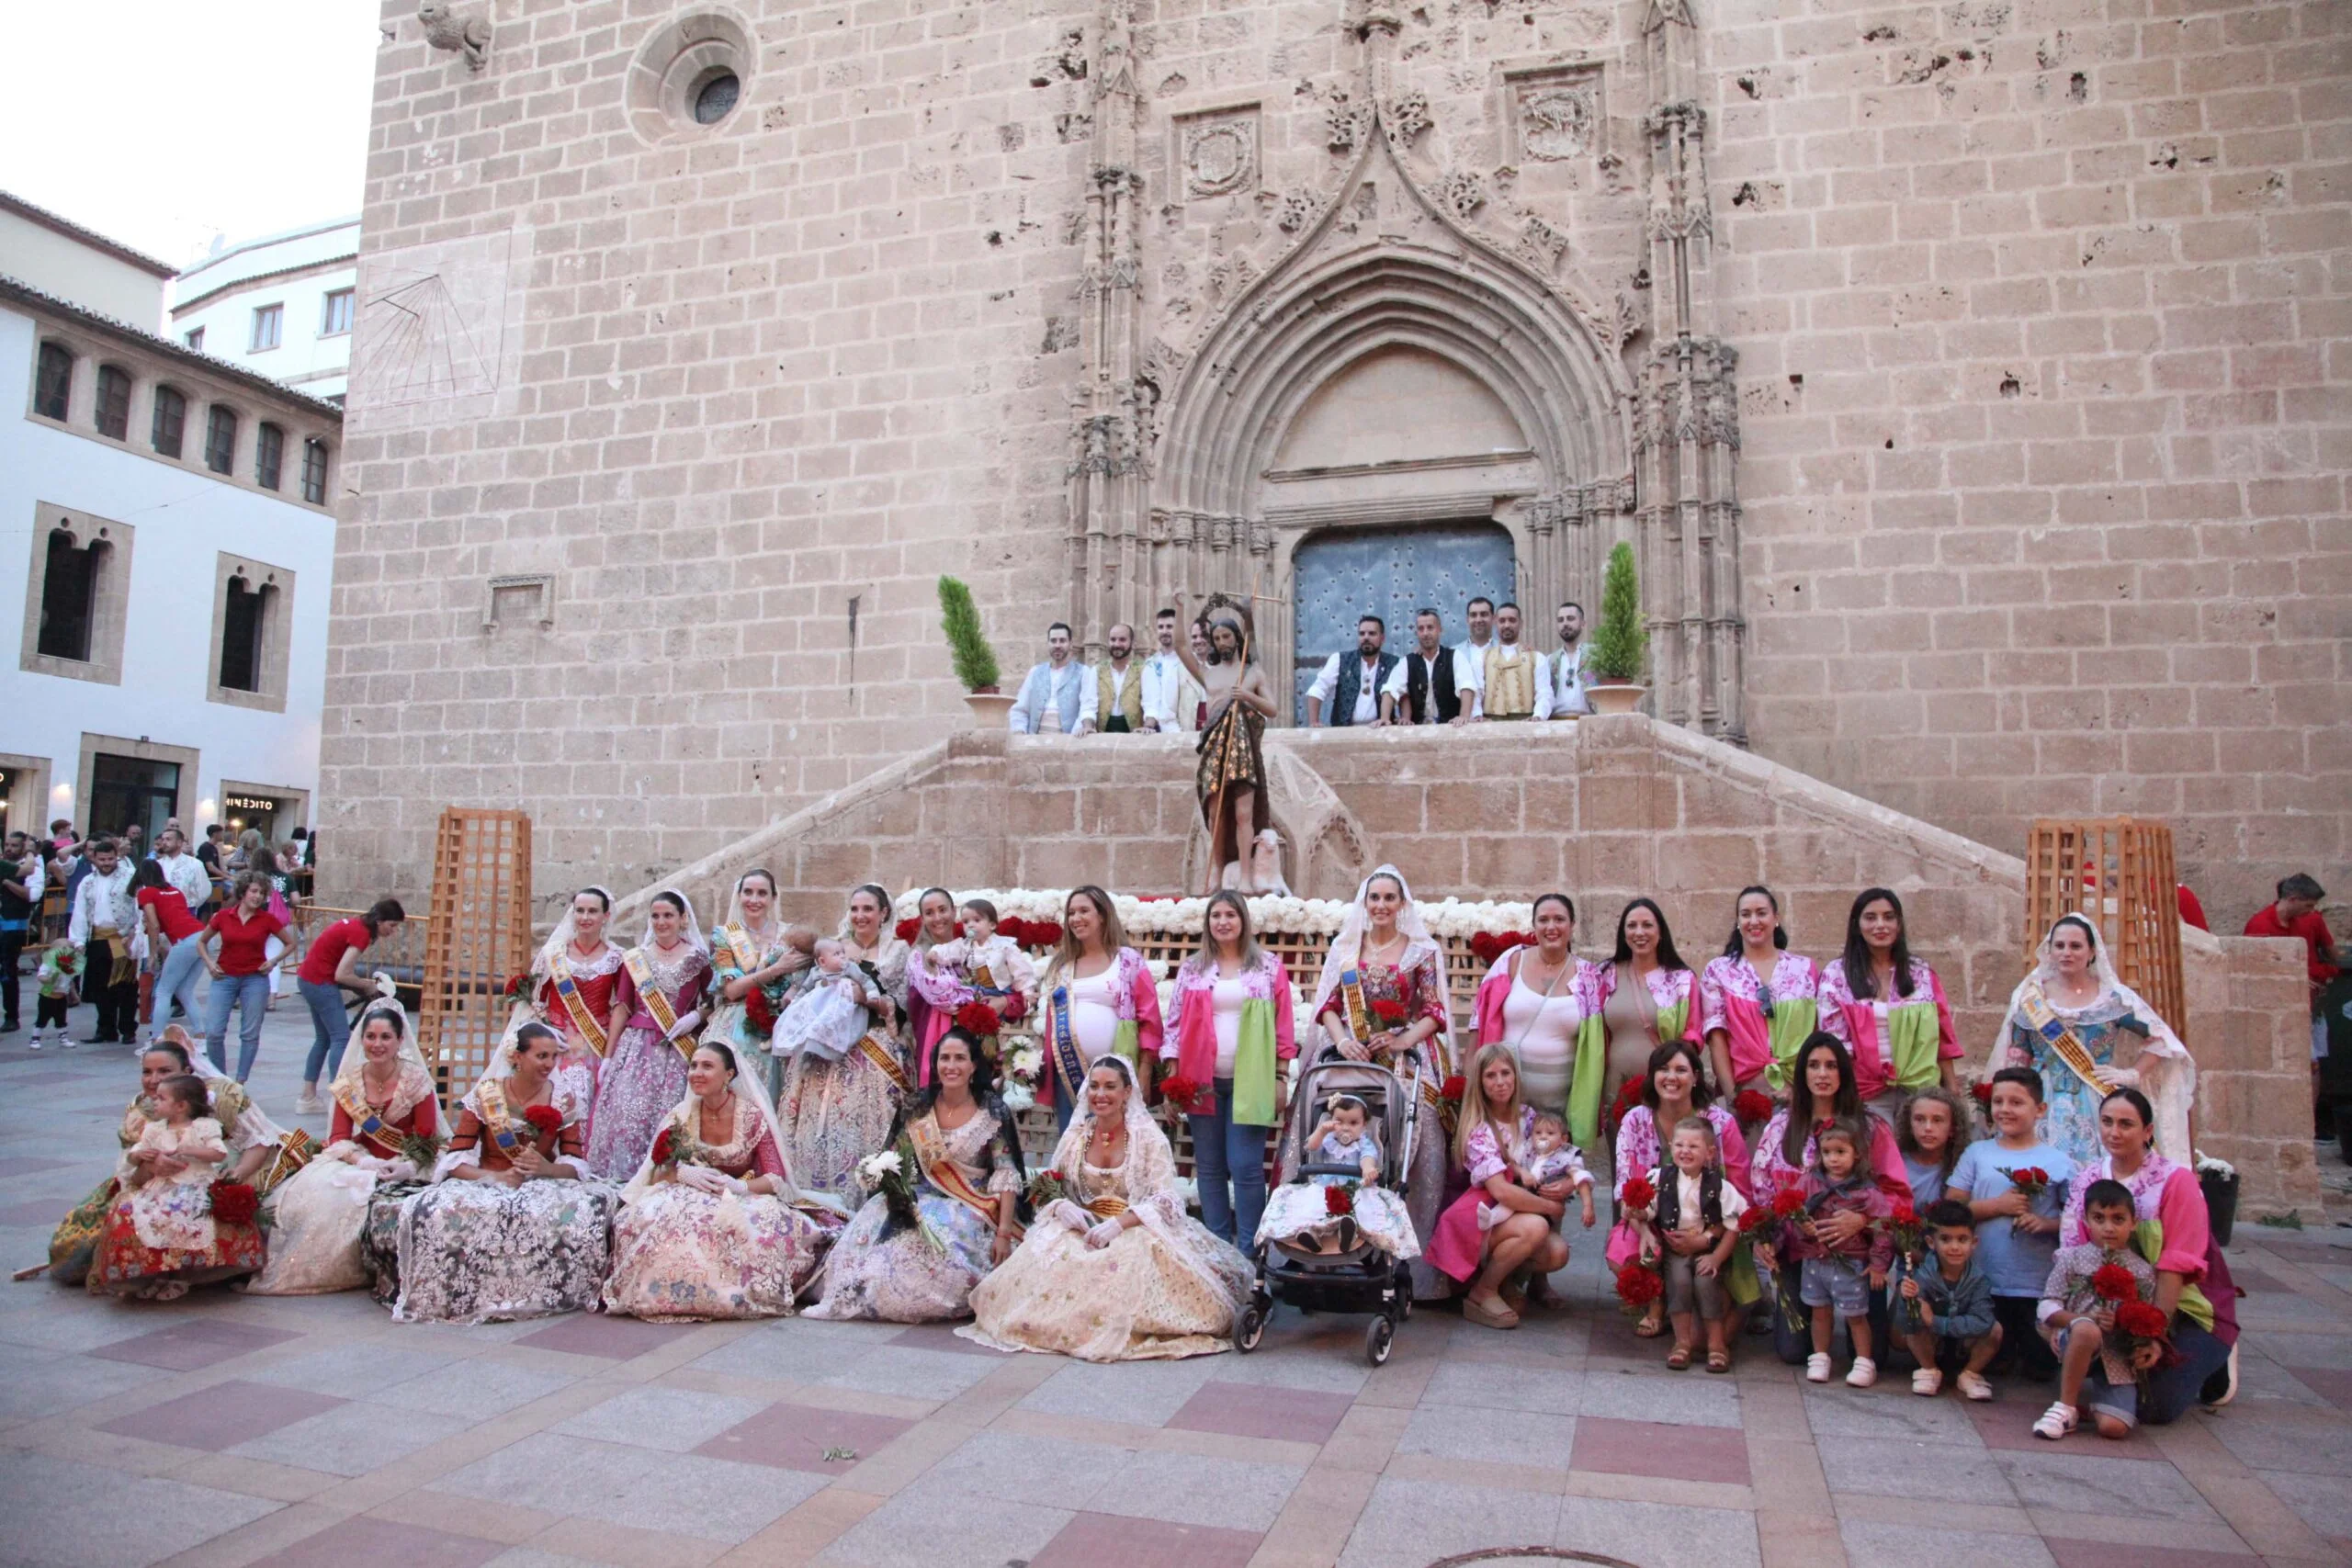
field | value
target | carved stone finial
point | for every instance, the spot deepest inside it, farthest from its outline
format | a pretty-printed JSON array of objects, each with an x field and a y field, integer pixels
[{"x": 445, "y": 28}]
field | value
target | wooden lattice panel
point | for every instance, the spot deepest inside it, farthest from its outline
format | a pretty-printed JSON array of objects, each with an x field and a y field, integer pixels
[
  {"x": 2118, "y": 871},
  {"x": 477, "y": 934}
]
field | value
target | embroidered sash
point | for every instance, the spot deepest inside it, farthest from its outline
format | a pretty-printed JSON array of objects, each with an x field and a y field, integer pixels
[
  {"x": 366, "y": 1124},
  {"x": 1063, "y": 1041},
  {"x": 1108, "y": 1206},
  {"x": 495, "y": 1119},
  {"x": 877, "y": 1050},
  {"x": 1359, "y": 1015},
  {"x": 943, "y": 1173},
  {"x": 739, "y": 948},
  {"x": 294, "y": 1151},
  {"x": 575, "y": 1005},
  {"x": 677, "y": 1030},
  {"x": 2044, "y": 1020}
]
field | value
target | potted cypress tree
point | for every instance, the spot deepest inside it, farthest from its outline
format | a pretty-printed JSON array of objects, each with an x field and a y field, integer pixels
[
  {"x": 969, "y": 649},
  {"x": 1620, "y": 646}
]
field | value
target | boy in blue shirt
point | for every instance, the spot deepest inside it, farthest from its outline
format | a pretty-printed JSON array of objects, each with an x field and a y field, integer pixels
[{"x": 2017, "y": 1230}]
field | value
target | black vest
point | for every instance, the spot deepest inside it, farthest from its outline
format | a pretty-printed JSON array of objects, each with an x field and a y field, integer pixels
[
  {"x": 1416, "y": 688},
  {"x": 1343, "y": 700},
  {"x": 11, "y": 907},
  {"x": 1670, "y": 1199}
]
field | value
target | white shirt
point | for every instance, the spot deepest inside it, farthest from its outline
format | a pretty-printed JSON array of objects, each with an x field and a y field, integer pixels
[
  {"x": 1170, "y": 696},
  {"x": 1093, "y": 1012},
  {"x": 1559, "y": 689},
  {"x": 1120, "y": 681},
  {"x": 36, "y": 879},
  {"x": 1367, "y": 689},
  {"x": 1470, "y": 677},
  {"x": 103, "y": 901},
  {"x": 187, "y": 873},
  {"x": 1225, "y": 1003}
]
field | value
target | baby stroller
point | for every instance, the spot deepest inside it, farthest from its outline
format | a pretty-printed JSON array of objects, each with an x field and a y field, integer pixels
[{"x": 1363, "y": 1278}]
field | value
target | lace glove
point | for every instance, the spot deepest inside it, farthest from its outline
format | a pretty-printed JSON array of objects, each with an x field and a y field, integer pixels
[
  {"x": 1104, "y": 1235},
  {"x": 702, "y": 1179},
  {"x": 402, "y": 1169},
  {"x": 1064, "y": 1213},
  {"x": 2121, "y": 1077}
]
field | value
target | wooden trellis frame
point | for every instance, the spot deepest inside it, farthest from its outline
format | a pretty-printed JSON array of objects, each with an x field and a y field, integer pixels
[
  {"x": 2118, "y": 872},
  {"x": 477, "y": 934}
]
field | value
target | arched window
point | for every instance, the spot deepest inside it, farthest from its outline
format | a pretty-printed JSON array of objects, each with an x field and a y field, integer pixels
[
  {"x": 68, "y": 596},
  {"x": 171, "y": 420},
  {"x": 244, "y": 621},
  {"x": 220, "y": 439},
  {"x": 53, "y": 381},
  {"x": 314, "y": 471},
  {"x": 269, "y": 456},
  {"x": 113, "y": 416}
]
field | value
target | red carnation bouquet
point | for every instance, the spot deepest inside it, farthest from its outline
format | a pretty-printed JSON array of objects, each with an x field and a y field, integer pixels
[
  {"x": 235, "y": 1202},
  {"x": 1637, "y": 1196},
  {"x": 1387, "y": 1012},
  {"x": 1044, "y": 933},
  {"x": 1014, "y": 930},
  {"x": 2113, "y": 1282},
  {"x": 1453, "y": 1090},
  {"x": 759, "y": 1013},
  {"x": 1487, "y": 946},
  {"x": 2031, "y": 1180},
  {"x": 1910, "y": 1245},
  {"x": 1045, "y": 1188},
  {"x": 1629, "y": 1095},
  {"x": 1339, "y": 1199},
  {"x": 1751, "y": 1106},
  {"x": 2139, "y": 1323},
  {"x": 1179, "y": 1092},
  {"x": 1752, "y": 1220},
  {"x": 518, "y": 984},
  {"x": 545, "y": 1120},
  {"x": 1636, "y": 1287},
  {"x": 977, "y": 1019},
  {"x": 1011, "y": 1008},
  {"x": 908, "y": 928},
  {"x": 674, "y": 1146}
]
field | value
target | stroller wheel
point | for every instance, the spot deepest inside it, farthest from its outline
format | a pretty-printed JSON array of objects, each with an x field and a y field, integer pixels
[
  {"x": 1403, "y": 1306},
  {"x": 1251, "y": 1330},
  {"x": 1377, "y": 1339}
]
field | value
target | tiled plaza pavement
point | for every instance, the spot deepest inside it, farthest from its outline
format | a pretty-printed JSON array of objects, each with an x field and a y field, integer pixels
[{"x": 225, "y": 1430}]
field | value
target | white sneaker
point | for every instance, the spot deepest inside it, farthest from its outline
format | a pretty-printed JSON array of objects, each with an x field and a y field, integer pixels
[
  {"x": 1928, "y": 1383},
  {"x": 34, "y": 1043},
  {"x": 1973, "y": 1385},
  {"x": 308, "y": 1103},
  {"x": 1862, "y": 1373},
  {"x": 2056, "y": 1421},
  {"x": 1816, "y": 1367}
]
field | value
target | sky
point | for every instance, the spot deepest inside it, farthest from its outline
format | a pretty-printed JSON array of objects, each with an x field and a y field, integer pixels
[{"x": 164, "y": 124}]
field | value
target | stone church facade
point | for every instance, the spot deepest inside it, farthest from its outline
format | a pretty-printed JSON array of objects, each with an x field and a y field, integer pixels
[{"x": 1969, "y": 378}]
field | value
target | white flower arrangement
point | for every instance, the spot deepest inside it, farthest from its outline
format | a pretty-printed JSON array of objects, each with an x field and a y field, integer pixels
[
  {"x": 2207, "y": 1163},
  {"x": 1448, "y": 918},
  {"x": 1019, "y": 1096},
  {"x": 874, "y": 1167}
]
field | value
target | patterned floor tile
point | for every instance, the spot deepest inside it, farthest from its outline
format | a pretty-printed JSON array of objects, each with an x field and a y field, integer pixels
[
  {"x": 943, "y": 1337},
  {"x": 613, "y": 1338},
  {"x": 1197, "y": 1489},
  {"x": 1465, "y": 1432},
  {"x": 2117, "y": 1554},
  {"x": 1409, "y": 1524},
  {"x": 221, "y": 1416},
  {"x": 351, "y": 1439},
  {"x": 909, "y": 1532},
  {"x": 1090, "y": 1541},
  {"x": 1871, "y": 1542},
  {"x": 799, "y": 1436},
  {"x": 1652, "y": 1448},
  {"x": 84, "y": 1515},
  {"x": 1658, "y": 1533},
  {"x": 677, "y": 1494},
  {"x": 363, "y": 1540},
  {"x": 1250, "y": 1410},
  {"x": 191, "y": 1346},
  {"x": 2079, "y": 1482},
  {"x": 674, "y": 1419}
]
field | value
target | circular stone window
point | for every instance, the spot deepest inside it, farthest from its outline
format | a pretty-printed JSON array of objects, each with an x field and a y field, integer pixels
[{"x": 690, "y": 74}]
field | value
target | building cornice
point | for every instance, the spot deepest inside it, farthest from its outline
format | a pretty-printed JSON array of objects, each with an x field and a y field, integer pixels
[
  {"x": 81, "y": 236},
  {"x": 346, "y": 263},
  {"x": 15, "y": 291}
]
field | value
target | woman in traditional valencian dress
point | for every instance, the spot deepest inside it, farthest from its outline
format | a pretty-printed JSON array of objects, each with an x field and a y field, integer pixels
[
  {"x": 1382, "y": 997},
  {"x": 253, "y": 1140},
  {"x": 1231, "y": 776},
  {"x": 1644, "y": 997},
  {"x": 752, "y": 968},
  {"x": 1097, "y": 997},
  {"x": 1888, "y": 1007},
  {"x": 572, "y": 989},
  {"x": 171, "y": 1227},
  {"x": 917, "y": 1261},
  {"x": 1759, "y": 1002},
  {"x": 384, "y": 1137},
  {"x": 1116, "y": 1270},
  {"x": 835, "y": 1113},
  {"x": 508, "y": 1229},
  {"x": 2087, "y": 1034},
  {"x": 1533, "y": 1001},
  {"x": 711, "y": 1224},
  {"x": 663, "y": 981}
]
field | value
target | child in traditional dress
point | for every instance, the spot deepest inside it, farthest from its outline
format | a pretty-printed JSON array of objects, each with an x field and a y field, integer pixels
[
  {"x": 829, "y": 1016},
  {"x": 1301, "y": 1214},
  {"x": 1547, "y": 1157},
  {"x": 172, "y": 1209},
  {"x": 60, "y": 973},
  {"x": 2078, "y": 1318},
  {"x": 1692, "y": 1228},
  {"x": 990, "y": 965},
  {"x": 1836, "y": 1278},
  {"x": 1951, "y": 1301}
]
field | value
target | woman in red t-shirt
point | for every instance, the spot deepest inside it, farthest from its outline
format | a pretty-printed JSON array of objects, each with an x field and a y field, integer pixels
[
  {"x": 172, "y": 934},
  {"x": 239, "y": 935},
  {"x": 331, "y": 967}
]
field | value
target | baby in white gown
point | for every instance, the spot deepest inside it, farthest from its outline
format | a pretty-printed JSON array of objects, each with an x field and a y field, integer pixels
[{"x": 829, "y": 1016}]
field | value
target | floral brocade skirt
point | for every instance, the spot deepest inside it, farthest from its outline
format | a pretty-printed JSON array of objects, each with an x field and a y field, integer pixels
[
  {"x": 123, "y": 1265},
  {"x": 1134, "y": 1300},
  {"x": 484, "y": 1252},
  {"x": 75, "y": 1241},
  {"x": 638, "y": 1086},
  {"x": 890, "y": 1274},
  {"x": 831, "y": 1116},
  {"x": 679, "y": 1255}
]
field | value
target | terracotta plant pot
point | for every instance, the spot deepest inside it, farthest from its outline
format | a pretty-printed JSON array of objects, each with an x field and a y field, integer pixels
[
  {"x": 989, "y": 709},
  {"x": 1614, "y": 696}
]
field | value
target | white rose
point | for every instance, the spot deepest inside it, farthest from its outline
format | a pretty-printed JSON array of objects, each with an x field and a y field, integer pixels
[{"x": 1019, "y": 1099}]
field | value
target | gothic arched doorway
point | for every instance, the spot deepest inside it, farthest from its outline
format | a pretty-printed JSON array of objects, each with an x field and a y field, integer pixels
[{"x": 1340, "y": 575}]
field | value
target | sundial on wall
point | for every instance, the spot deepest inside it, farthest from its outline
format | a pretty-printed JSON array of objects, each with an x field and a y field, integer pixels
[{"x": 432, "y": 323}]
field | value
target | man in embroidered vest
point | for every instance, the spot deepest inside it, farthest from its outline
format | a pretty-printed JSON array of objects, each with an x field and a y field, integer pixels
[
  {"x": 1350, "y": 686},
  {"x": 1053, "y": 696},
  {"x": 1561, "y": 677},
  {"x": 1117, "y": 704},
  {"x": 1172, "y": 698},
  {"x": 1509, "y": 689},
  {"x": 1423, "y": 689}
]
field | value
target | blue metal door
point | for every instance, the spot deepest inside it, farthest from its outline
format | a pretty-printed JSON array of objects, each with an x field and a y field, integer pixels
[{"x": 1347, "y": 573}]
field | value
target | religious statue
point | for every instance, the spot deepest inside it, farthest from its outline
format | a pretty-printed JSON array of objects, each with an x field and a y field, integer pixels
[{"x": 1231, "y": 777}]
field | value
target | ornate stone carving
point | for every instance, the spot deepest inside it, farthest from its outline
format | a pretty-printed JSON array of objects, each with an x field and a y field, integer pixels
[
  {"x": 1219, "y": 154},
  {"x": 1663, "y": 12},
  {"x": 1463, "y": 193},
  {"x": 1544, "y": 243},
  {"x": 1409, "y": 116},
  {"x": 1295, "y": 212},
  {"x": 1556, "y": 120},
  {"x": 1347, "y": 125},
  {"x": 466, "y": 32}
]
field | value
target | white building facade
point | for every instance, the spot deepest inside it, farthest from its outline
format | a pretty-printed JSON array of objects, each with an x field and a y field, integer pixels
[
  {"x": 280, "y": 306},
  {"x": 59, "y": 256},
  {"x": 168, "y": 542}
]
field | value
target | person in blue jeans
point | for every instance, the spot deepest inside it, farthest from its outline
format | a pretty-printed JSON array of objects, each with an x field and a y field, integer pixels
[
  {"x": 328, "y": 978},
  {"x": 1234, "y": 1034},
  {"x": 235, "y": 950}
]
